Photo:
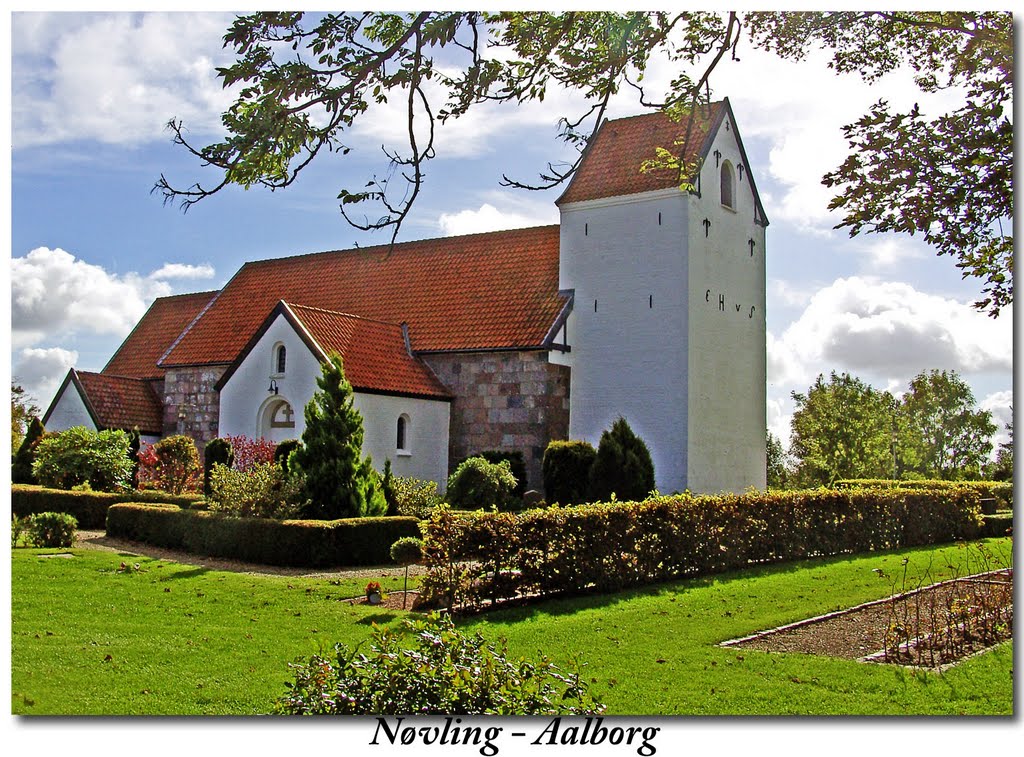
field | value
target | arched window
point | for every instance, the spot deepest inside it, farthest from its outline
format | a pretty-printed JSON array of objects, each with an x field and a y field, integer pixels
[
  {"x": 402, "y": 442},
  {"x": 280, "y": 359},
  {"x": 728, "y": 198}
]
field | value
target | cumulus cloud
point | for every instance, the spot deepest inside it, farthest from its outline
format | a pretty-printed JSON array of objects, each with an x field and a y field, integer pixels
[
  {"x": 116, "y": 78},
  {"x": 887, "y": 332},
  {"x": 53, "y": 293},
  {"x": 1000, "y": 404},
  {"x": 40, "y": 371},
  {"x": 487, "y": 218}
]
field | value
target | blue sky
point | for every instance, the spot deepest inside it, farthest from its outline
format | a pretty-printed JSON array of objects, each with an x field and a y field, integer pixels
[{"x": 91, "y": 246}]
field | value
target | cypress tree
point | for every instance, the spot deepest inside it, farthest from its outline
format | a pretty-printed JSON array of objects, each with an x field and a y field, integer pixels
[
  {"x": 622, "y": 467},
  {"x": 21, "y": 469},
  {"x": 220, "y": 451},
  {"x": 338, "y": 482}
]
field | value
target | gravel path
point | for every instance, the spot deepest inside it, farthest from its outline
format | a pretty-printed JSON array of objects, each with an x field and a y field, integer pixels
[{"x": 99, "y": 540}]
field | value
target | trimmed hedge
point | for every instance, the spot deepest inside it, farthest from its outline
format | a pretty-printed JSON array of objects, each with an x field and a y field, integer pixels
[
  {"x": 997, "y": 524},
  {"x": 1001, "y": 491},
  {"x": 472, "y": 557},
  {"x": 294, "y": 543},
  {"x": 89, "y": 508}
]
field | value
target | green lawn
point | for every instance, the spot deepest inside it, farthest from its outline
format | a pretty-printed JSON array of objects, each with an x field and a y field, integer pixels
[{"x": 174, "y": 639}]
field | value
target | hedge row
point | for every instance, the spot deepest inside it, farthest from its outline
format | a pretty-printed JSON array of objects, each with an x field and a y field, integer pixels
[
  {"x": 473, "y": 557},
  {"x": 89, "y": 508},
  {"x": 1001, "y": 491},
  {"x": 297, "y": 543}
]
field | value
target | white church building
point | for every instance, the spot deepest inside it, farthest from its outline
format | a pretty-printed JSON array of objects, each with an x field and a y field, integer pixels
[{"x": 645, "y": 301}]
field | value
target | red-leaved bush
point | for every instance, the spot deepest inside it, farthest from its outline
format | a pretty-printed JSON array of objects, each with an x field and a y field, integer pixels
[
  {"x": 172, "y": 465},
  {"x": 249, "y": 451}
]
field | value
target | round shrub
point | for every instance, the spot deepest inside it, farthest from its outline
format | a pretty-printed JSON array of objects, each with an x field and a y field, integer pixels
[
  {"x": 516, "y": 463},
  {"x": 262, "y": 491},
  {"x": 52, "y": 529},
  {"x": 176, "y": 468},
  {"x": 622, "y": 466},
  {"x": 415, "y": 497},
  {"x": 477, "y": 483},
  {"x": 217, "y": 452},
  {"x": 79, "y": 456},
  {"x": 421, "y": 668},
  {"x": 566, "y": 470},
  {"x": 407, "y": 551}
]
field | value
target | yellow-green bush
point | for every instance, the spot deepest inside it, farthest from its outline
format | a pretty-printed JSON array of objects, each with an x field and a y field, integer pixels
[
  {"x": 301, "y": 543},
  {"x": 1000, "y": 491},
  {"x": 475, "y": 557}
]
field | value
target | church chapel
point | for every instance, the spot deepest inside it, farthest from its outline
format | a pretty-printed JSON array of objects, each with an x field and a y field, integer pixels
[{"x": 645, "y": 302}]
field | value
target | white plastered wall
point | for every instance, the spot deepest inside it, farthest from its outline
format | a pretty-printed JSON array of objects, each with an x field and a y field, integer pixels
[
  {"x": 628, "y": 353},
  {"x": 245, "y": 396},
  {"x": 69, "y": 411},
  {"x": 727, "y": 359}
]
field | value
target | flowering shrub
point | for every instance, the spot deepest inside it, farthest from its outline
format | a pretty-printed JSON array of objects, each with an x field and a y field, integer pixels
[
  {"x": 249, "y": 451},
  {"x": 171, "y": 465},
  {"x": 444, "y": 673}
]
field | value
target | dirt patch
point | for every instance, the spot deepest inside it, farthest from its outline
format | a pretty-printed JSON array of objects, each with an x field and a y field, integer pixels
[{"x": 933, "y": 626}]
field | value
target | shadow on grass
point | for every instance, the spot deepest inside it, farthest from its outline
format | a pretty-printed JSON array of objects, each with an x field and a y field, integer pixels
[
  {"x": 569, "y": 603},
  {"x": 182, "y": 574},
  {"x": 380, "y": 618}
]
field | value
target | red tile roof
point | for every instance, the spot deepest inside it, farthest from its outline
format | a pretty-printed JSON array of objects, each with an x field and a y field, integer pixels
[
  {"x": 166, "y": 318},
  {"x": 480, "y": 291},
  {"x": 121, "y": 402},
  {"x": 373, "y": 352},
  {"x": 611, "y": 165}
]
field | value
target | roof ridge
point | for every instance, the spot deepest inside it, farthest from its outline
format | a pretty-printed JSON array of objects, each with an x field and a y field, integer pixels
[
  {"x": 294, "y": 305},
  {"x": 408, "y": 243},
  {"x": 659, "y": 112}
]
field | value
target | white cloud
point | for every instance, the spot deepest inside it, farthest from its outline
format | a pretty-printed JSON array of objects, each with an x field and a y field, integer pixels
[
  {"x": 485, "y": 218},
  {"x": 115, "y": 78},
  {"x": 1000, "y": 404},
  {"x": 887, "y": 332},
  {"x": 183, "y": 271},
  {"x": 55, "y": 294},
  {"x": 40, "y": 371}
]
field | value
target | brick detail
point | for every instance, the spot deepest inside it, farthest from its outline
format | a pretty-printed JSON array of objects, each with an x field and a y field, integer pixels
[
  {"x": 191, "y": 406},
  {"x": 504, "y": 400}
]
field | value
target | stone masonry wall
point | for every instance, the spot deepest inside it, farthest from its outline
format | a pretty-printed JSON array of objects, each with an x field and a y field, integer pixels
[
  {"x": 191, "y": 406},
  {"x": 505, "y": 401}
]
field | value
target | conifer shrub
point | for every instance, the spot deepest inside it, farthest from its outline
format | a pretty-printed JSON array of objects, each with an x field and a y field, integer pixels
[
  {"x": 21, "y": 468},
  {"x": 566, "y": 469},
  {"x": 79, "y": 456},
  {"x": 622, "y": 468},
  {"x": 283, "y": 452},
  {"x": 51, "y": 530},
  {"x": 218, "y": 452},
  {"x": 339, "y": 483},
  {"x": 477, "y": 483},
  {"x": 387, "y": 484},
  {"x": 421, "y": 668}
]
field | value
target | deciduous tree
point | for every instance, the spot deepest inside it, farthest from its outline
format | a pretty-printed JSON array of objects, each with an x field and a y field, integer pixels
[
  {"x": 946, "y": 436},
  {"x": 842, "y": 428},
  {"x": 306, "y": 80}
]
